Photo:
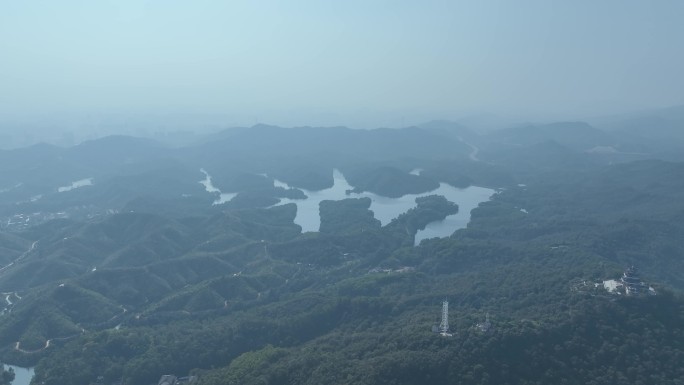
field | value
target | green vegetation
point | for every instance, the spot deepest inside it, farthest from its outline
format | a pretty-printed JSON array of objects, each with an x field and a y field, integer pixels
[
  {"x": 348, "y": 215},
  {"x": 236, "y": 294},
  {"x": 7, "y": 376},
  {"x": 429, "y": 209},
  {"x": 388, "y": 181}
]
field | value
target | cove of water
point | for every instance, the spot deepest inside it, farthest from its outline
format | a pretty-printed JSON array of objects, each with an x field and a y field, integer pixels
[
  {"x": 222, "y": 197},
  {"x": 467, "y": 199},
  {"x": 22, "y": 376},
  {"x": 76, "y": 184},
  {"x": 385, "y": 209}
]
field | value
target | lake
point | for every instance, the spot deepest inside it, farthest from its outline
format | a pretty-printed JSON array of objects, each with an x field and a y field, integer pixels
[
  {"x": 209, "y": 186},
  {"x": 384, "y": 209},
  {"x": 22, "y": 376}
]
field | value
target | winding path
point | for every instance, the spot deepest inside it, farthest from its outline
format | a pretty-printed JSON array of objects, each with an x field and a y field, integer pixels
[
  {"x": 17, "y": 346},
  {"x": 4, "y": 268},
  {"x": 474, "y": 150},
  {"x": 123, "y": 311}
]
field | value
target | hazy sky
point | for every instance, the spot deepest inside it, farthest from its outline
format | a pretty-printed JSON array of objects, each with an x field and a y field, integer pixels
[{"x": 284, "y": 62}]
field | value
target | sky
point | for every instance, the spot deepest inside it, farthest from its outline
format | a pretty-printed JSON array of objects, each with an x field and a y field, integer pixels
[{"x": 358, "y": 63}]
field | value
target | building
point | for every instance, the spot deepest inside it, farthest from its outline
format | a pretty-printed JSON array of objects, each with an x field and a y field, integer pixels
[
  {"x": 486, "y": 326},
  {"x": 170, "y": 379},
  {"x": 631, "y": 282}
]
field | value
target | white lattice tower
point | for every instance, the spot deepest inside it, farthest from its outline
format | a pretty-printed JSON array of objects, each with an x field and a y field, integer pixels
[{"x": 444, "y": 325}]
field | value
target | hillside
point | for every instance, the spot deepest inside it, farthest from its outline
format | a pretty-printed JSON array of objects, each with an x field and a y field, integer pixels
[{"x": 144, "y": 274}]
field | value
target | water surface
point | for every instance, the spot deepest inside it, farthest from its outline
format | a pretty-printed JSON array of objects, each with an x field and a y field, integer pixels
[
  {"x": 209, "y": 186},
  {"x": 22, "y": 376},
  {"x": 385, "y": 209},
  {"x": 76, "y": 184}
]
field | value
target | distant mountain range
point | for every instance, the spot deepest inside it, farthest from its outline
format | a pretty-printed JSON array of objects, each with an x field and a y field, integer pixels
[{"x": 116, "y": 262}]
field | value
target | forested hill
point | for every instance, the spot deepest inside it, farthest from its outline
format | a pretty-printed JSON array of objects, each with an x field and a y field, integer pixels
[{"x": 143, "y": 271}]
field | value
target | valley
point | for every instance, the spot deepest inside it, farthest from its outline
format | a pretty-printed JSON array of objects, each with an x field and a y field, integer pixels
[
  {"x": 344, "y": 193},
  {"x": 237, "y": 260}
]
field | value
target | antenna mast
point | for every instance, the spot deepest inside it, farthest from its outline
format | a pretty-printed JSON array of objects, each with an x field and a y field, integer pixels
[{"x": 444, "y": 325}]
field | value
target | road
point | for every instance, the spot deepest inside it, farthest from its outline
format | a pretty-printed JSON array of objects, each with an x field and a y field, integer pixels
[
  {"x": 473, "y": 150},
  {"x": 4, "y": 268},
  {"x": 17, "y": 346}
]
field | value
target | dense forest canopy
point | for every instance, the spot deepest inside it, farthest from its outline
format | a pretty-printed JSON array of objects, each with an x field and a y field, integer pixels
[{"x": 143, "y": 271}]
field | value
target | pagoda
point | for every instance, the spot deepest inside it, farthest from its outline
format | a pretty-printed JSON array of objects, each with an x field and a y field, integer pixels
[{"x": 631, "y": 282}]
